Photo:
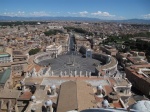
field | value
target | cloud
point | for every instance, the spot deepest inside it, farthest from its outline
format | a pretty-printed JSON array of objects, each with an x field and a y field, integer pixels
[
  {"x": 147, "y": 16},
  {"x": 26, "y": 14},
  {"x": 9, "y": 14},
  {"x": 83, "y": 13},
  {"x": 72, "y": 13},
  {"x": 19, "y": 13},
  {"x": 102, "y": 14},
  {"x": 40, "y": 13},
  {"x": 98, "y": 14}
]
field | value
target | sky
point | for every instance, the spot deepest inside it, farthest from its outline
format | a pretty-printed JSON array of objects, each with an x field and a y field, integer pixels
[{"x": 102, "y": 9}]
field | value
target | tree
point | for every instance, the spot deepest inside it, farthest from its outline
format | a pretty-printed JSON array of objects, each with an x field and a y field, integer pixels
[
  {"x": 34, "y": 51},
  {"x": 52, "y": 32}
]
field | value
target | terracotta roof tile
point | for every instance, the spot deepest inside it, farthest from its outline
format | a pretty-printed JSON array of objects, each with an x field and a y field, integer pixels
[
  {"x": 118, "y": 105},
  {"x": 25, "y": 96},
  {"x": 108, "y": 89}
]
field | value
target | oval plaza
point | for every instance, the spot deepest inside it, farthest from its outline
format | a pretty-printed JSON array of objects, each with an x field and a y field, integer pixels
[{"x": 73, "y": 62}]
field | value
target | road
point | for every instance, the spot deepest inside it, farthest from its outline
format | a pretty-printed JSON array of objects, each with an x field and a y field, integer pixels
[{"x": 71, "y": 44}]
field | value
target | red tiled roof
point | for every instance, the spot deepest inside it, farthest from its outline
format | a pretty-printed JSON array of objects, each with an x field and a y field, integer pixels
[
  {"x": 108, "y": 89},
  {"x": 118, "y": 105},
  {"x": 37, "y": 68},
  {"x": 25, "y": 96}
]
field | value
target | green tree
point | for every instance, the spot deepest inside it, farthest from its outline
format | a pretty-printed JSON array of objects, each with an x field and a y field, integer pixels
[{"x": 34, "y": 51}]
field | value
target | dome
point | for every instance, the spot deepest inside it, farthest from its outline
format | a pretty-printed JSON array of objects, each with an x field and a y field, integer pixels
[
  {"x": 53, "y": 87},
  {"x": 142, "y": 106},
  {"x": 48, "y": 103},
  {"x": 99, "y": 87},
  {"x": 33, "y": 97},
  {"x": 105, "y": 103}
]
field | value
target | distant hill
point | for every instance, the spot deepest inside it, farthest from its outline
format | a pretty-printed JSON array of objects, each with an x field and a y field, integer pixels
[
  {"x": 134, "y": 21},
  {"x": 45, "y": 18},
  {"x": 137, "y": 21}
]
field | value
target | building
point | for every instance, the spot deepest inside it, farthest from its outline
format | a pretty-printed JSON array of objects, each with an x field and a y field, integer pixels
[
  {"x": 89, "y": 53},
  {"x": 19, "y": 55},
  {"x": 6, "y": 55},
  {"x": 83, "y": 92},
  {"x": 139, "y": 76},
  {"x": 109, "y": 66},
  {"x": 82, "y": 44},
  {"x": 94, "y": 96},
  {"x": 56, "y": 49},
  {"x": 55, "y": 27},
  {"x": 140, "y": 106},
  {"x": 63, "y": 39},
  {"x": 109, "y": 50},
  {"x": 8, "y": 100},
  {"x": 131, "y": 58},
  {"x": 80, "y": 96},
  {"x": 5, "y": 78},
  {"x": 41, "y": 101},
  {"x": 5, "y": 58}
]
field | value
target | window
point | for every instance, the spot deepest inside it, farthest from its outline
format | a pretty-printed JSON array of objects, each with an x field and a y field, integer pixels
[{"x": 121, "y": 91}]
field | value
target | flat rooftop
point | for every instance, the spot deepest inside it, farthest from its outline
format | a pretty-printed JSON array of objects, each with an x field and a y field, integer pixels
[
  {"x": 141, "y": 71},
  {"x": 94, "y": 81},
  {"x": 9, "y": 93},
  {"x": 58, "y": 81}
]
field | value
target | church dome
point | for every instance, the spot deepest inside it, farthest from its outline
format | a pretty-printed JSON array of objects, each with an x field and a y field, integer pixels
[
  {"x": 105, "y": 103},
  {"x": 99, "y": 87},
  {"x": 48, "y": 103},
  {"x": 33, "y": 97},
  {"x": 142, "y": 106},
  {"x": 53, "y": 87}
]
